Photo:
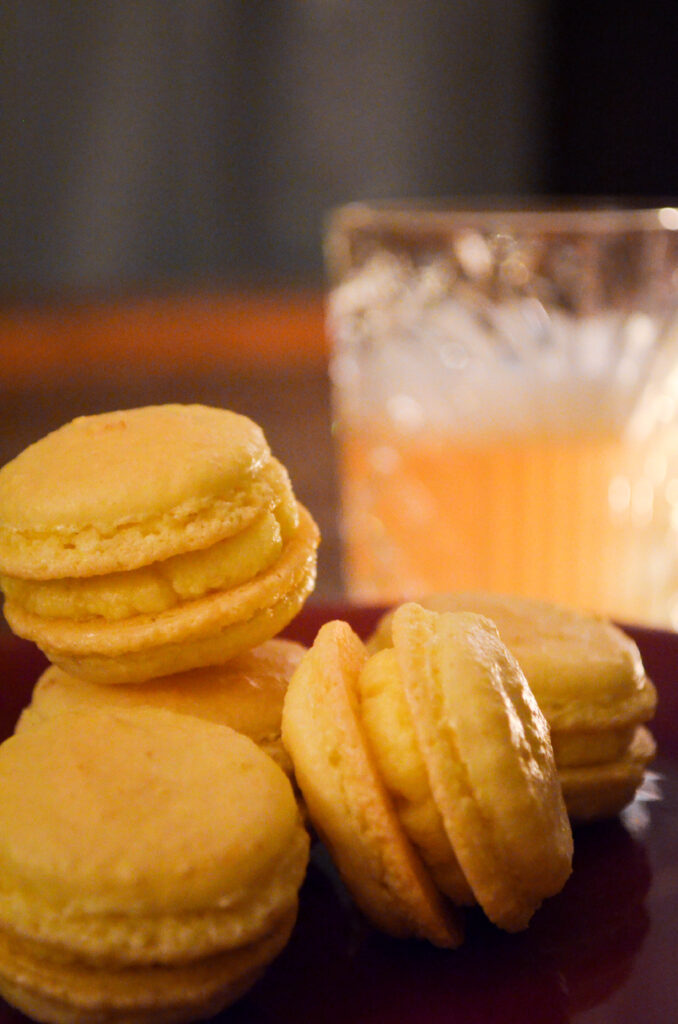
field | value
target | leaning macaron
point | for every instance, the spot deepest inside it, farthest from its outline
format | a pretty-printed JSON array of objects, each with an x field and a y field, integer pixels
[
  {"x": 346, "y": 799},
  {"x": 245, "y": 693},
  {"x": 589, "y": 681},
  {"x": 150, "y": 864},
  {"x": 149, "y": 541},
  {"x": 457, "y": 751}
]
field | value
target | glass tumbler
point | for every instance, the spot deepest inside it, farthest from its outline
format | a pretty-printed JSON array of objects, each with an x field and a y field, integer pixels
[{"x": 505, "y": 402}]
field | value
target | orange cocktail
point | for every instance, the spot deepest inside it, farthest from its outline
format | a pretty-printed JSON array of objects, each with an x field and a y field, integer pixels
[{"x": 580, "y": 519}]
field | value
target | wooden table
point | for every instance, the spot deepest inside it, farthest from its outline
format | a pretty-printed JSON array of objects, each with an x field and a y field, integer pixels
[{"x": 261, "y": 354}]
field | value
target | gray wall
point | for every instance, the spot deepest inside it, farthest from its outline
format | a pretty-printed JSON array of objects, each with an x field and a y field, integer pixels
[{"x": 155, "y": 140}]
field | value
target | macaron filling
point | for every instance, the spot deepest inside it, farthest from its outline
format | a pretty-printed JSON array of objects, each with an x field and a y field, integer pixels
[
  {"x": 387, "y": 721},
  {"x": 164, "y": 584}
]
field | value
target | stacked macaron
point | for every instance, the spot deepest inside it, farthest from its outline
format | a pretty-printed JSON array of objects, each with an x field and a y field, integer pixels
[
  {"x": 140, "y": 543},
  {"x": 588, "y": 678},
  {"x": 151, "y": 848},
  {"x": 149, "y": 866}
]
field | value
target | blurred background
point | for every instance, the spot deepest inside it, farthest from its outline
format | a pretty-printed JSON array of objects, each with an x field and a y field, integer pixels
[
  {"x": 148, "y": 141},
  {"x": 167, "y": 164}
]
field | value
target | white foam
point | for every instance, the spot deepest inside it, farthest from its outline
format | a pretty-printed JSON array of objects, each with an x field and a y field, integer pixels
[{"x": 429, "y": 355}]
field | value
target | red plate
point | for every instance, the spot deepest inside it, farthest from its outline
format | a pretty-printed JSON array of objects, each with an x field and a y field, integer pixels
[{"x": 602, "y": 952}]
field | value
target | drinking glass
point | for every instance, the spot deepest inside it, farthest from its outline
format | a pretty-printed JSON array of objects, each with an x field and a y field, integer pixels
[{"x": 505, "y": 402}]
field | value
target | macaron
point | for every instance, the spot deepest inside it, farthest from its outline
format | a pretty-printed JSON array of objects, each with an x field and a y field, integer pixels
[
  {"x": 149, "y": 541},
  {"x": 346, "y": 799},
  {"x": 589, "y": 681},
  {"x": 428, "y": 771},
  {"x": 150, "y": 864},
  {"x": 602, "y": 790},
  {"x": 245, "y": 693}
]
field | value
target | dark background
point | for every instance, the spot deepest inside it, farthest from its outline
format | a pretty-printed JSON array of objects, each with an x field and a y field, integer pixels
[
  {"x": 614, "y": 99},
  {"x": 145, "y": 143}
]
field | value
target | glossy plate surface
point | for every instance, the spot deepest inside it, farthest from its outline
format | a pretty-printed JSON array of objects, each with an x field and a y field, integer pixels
[{"x": 602, "y": 952}]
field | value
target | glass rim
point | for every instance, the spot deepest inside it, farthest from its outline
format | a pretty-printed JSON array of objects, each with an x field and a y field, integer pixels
[{"x": 590, "y": 214}]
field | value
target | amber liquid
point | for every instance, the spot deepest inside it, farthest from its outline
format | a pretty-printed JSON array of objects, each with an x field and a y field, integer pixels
[{"x": 570, "y": 519}]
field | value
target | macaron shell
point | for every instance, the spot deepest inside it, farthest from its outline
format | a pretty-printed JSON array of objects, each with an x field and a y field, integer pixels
[
  {"x": 153, "y": 939},
  {"x": 584, "y": 671},
  {"x": 186, "y": 653},
  {"x": 185, "y": 477},
  {"x": 346, "y": 799},
  {"x": 159, "y": 457},
  {"x": 245, "y": 693},
  {"x": 59, "y": 991},
  {"x": 211, "y": 815},
  {"x": 487, "y": 750},
  {"x": 206, "y": 631},
  {"x": 596, "y": 791},
  {"x": 577, "y": 748}
]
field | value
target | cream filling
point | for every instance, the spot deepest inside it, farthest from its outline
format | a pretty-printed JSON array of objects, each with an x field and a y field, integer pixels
[
  {"x": 78, "y": 549},
  {"x": 387, "y": 721},
  {"x": 156, "y": 588}
]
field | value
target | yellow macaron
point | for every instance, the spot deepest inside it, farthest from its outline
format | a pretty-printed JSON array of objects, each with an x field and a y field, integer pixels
[
  {"x": 149, "y": 541},
  {"x": 589, "y": 681},
  {"x": 346, "y": 799},
  {"x": 430, "y": 753},
  {"x": 245, "y": 693},
  {"x": 150, "y": 864}
]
